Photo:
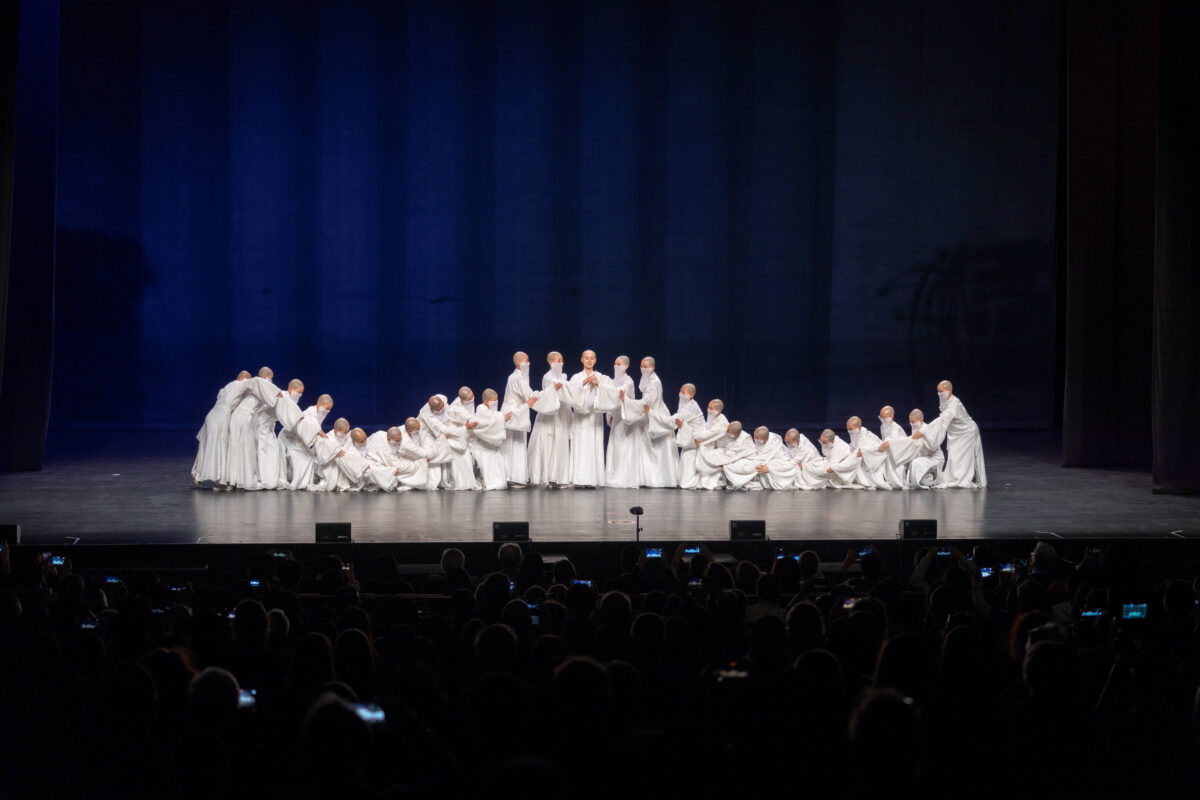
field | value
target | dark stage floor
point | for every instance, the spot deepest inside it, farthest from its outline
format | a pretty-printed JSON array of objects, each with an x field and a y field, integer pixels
[{"x": 134, "y": 488}]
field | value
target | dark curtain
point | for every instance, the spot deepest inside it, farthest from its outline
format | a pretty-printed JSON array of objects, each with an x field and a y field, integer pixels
[
  {"x": 807, "y": 209},
  {"x": 1177, "y": 248},
  {"x": 1110, "y": 54},
  {"x": 28, "y": 177}
]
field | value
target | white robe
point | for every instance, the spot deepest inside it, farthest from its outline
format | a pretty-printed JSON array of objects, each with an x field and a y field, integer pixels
[
  {"x": 427, "y": 449},
  {"x": 241, "y": 462},
  {"x": 385, "y": 456},
  {"x": 919, "y": 461},
  {"x": 801, "y": 454},
  {"x": 660, "y": 456},
  {"x": 300, "y": 459},
  {"x": 486, "y": 442},
  {"x": 708, "y": 432},
  {"x": 213, "y": 452},
  {"x": 550, "y": 441},
  {"x": 334, "y": 473},
  {"x": 514, "y": 450},
  {"x": 874, "y": 466},
  {"x": 373, "y": 474},
  {"x": 781, "y": 472},
  {"x": 433, "y": 435},
  {"x": 712, "y": 459},
  {"x": 623, "y": 459},
  {"x": 587, "y": 430},
  {"x": 462, "y": 463},
  {"x": 272, "y": 463},
  {"x": 839, "y": 458},
  {"x": 964, "y": 449}
]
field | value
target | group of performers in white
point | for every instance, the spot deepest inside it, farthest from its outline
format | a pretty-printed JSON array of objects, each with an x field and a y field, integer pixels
[{"x": 499, "y": 443}]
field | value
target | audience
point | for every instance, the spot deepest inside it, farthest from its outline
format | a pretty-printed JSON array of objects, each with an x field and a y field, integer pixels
[{"x": 678, "y": 677}]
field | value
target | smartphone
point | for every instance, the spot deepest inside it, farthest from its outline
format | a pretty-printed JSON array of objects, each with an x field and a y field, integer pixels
[
  {"x": 89, "y": 624},
  {"x": 247, "y": 698},
  {"x": 369, "y": 712},
  {"x": 692, "y": 550},
  {"x": 1133, "y": 611},
  {"x": 57, "y": 561},
  {"x": 111, "y": 579},
  {"x": 695, "y": 583},
  {"x": 653, "y": 552},
  {"x": 512, "y": 586},
  {"x": 232, "y": 614},
  {"x": 945, "y": 552},
  {"x": 535, "y": 613},
  {"x": 45, "y": 556},
  {"x": 867, "y": 550},
  {"x": 1007, "y": 568},
  {"x": 178, "y": 587},
  {"x": 1092, "y": 612},
  {"x": 158, "y": 611},
  {"x": 346, "y": 567},
  {"x": 849, "y": 602},
  {"x": 582, "y": 582},
  {"x": 278, "y": 554},
  {"x": 255, "y": 583},
  {"x": 985, "y": 572}
]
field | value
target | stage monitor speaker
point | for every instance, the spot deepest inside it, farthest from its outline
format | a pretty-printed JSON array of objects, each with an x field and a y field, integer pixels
[
  {"x": 510, "y": 531},
  {"x": 918, "y": 529},
  {"x": 333, "y": 533},
  {"x": 10, "y": 534},
  {"x": 747, "y": 530}
]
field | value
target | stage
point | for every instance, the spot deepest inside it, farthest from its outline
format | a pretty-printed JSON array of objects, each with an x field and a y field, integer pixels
[{"x": 131, "y": 488}]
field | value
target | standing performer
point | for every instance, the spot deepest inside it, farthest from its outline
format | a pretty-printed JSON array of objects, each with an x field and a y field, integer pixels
[
  {"x": 487, "y": 440},
  {"x": 214, "y": 434},
  {"x": 873, "y": 465},
  {"x": 433, "y": 417},
  {"x": 660, "y": 458},
  {"x": 241, "y": 463},
  {"x": 300, "y": 458},
  {"x": 587, "y": 424},
  {"x": 964, "y": 449},
  {"x": 550, "y": 442},
  {"x": 272, "y": 460},
  {"x": 623, "y": 458},
  {"x": 518, "y": 398},
  {"x": 694, "y": 430},
  {"x": 459, "y": 424}
]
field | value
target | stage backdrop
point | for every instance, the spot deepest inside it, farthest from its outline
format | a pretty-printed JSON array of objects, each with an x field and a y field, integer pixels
[{"x": 807, "y": 209}]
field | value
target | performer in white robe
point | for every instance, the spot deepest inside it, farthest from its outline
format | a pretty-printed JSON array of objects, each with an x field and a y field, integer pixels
[
  {"x": 964, "y": 449},
  {"x": 800, "y": 451},
  {"x": 213, "y": 437},
  {"x": 689, "y": 420},
  {"x": 371, "y": 474},
  {"x": 889, "y": 430},
  {"x": 272, "y": 460},
  {"x": 487, "y": 441},
  {"x": 704, "y": 433},
  {"x": 385, "y": 448},
  {"x": 418, "y": 447},
  {"x": 459, "y": 424},
  {"x": 712, "y": 458},
  {"x": 241, "y": 461},
  {"x": 623, "y": 459},
  {"x": 918, "y": 461},
  {"x": 768, "y": 467},
  {"x": 838, "y": 464},
  {"x": 433, "y": 416},
  {"x": 519, "y": 397},
  {"x": 660, "y": 456},
  {"x": 587, "y": 424},
  {"x": 330, "y": 476},
  {"x": 550, "y": 441},
  {"x": 873, "y": 466},
  {"x": 300, "y": 458}
]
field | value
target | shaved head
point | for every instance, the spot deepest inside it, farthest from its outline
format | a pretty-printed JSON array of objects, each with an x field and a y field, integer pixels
[
  {"x": 887, "y": 411},
  {"x": 342, "y": 425},
  {"x": 946, "y": 386},
  {"x": 395, "y": 433},
  {"x": 519, "y": 358},
  {"x": 734, "y": 429},
  {"x": 266, "y": 372},
  {"x": 792, "y": 436},
  {"x": 853, "y": 422},
  {"x": 325, "y": 400},
  {"x": 622, "y": 360},
  {"x": 827, "y": 436},
  {"x": 917, "y": 414},
  {"x": 412, "y": 424},
  {"x": 719, "y": 405},
  {"x": 296, "y": 383},
  {"x": 435, "y": 403},
  {"x": 762, "y": 432},
  {"x": 648, "y": 361},
  {"x": 587, "y": 353},
  {"x": 553, "y": 356},
  {"x": 358, "y": 436},
  {"x": 465, "y": 394},
  {"x": 489, "y": 395},
  {"x": 688, "y": 388},
  {"x": 243, "y": 375}
]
